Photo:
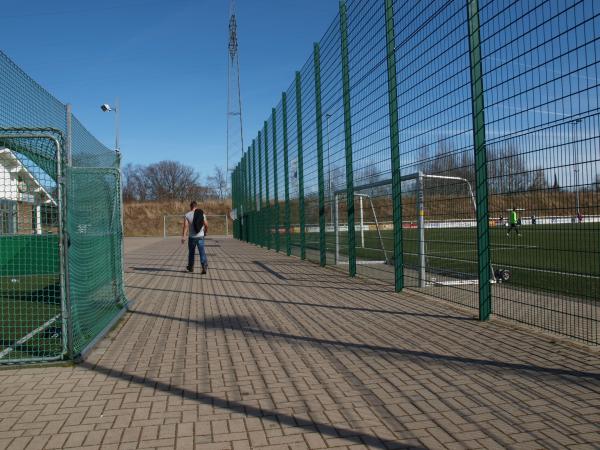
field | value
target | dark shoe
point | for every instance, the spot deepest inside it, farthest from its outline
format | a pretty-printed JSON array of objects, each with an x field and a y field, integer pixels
[
  {"x": 190, "y": 268},
  {"x": 204, "y": 267}
]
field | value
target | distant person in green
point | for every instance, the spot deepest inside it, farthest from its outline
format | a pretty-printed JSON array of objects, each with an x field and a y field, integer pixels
[{"x": 513, "y": 222}]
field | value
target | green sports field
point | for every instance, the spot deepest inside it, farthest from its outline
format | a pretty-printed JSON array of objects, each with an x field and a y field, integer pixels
[
  {"x": 30, "y": 297},
  {"x": 563, "y": 259}
]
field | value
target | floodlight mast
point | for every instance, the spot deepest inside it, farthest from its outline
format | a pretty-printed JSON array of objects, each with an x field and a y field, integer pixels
[{"x": 234, "y": 97}]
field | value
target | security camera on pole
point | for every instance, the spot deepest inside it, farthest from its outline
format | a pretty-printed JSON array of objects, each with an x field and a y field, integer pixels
[{"x": 117, "y": 110}]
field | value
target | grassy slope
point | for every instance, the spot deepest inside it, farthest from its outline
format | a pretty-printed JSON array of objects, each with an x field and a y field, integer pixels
[{"x": 146, "y": 218}]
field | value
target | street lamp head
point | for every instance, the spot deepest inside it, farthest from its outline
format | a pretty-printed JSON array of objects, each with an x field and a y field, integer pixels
[{"x": 106, "y": 107}]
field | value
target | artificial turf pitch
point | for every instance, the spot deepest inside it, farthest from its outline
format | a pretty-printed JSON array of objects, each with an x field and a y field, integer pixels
[{"x": 561, "y": 259}]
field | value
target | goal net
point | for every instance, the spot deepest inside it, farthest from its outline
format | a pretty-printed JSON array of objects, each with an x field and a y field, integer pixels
[{"x": 439, "y": 229}]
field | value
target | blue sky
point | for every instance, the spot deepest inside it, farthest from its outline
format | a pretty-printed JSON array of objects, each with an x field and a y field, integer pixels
[{"x": 167, "y": 62}]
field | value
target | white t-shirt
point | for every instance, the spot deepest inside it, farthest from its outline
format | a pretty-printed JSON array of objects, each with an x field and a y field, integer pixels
[{"x": 189, "y": 216}]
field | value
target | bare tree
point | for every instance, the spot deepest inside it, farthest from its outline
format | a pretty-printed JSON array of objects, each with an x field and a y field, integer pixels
[
  {"x": 171, "y": 180},
  {"x": 539, "y": 181},
  {"x": 555, "y": 185},
  {"x": 507, "y": 170},
  {"x": 135, "y": 187},
  {"x": 218, "y": 183}
]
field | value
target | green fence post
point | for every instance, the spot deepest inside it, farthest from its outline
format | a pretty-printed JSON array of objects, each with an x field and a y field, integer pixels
[
  {"x": 245, "y": 197},
  {"x": 300, "y": 167},
  {"x": 233, "y": 201},
  {"x": 254, "y": 191},
  {"x": 239, "y": 196},
  {"x": 394, "y": 146},
  {"x": 267, "y": 200},
  {"x": 348, "y": 141},
  {"x": 261, "y": 231},
  {"x": 275, "y": 179},
  {"x": 286, "y": 174},
  {"x": 321, "y": 177},
  {"x": 481, "y": 183},
  {"x": 248, "y": 193}
]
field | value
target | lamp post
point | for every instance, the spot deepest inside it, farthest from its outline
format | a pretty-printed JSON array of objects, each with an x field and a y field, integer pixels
[
  {"x": 117, "y": 110},
  {"x": 574, "y": 123},
  {"x": 327, "y": 116}
]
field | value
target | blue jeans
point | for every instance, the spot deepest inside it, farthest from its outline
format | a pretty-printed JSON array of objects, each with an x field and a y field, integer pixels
[{"x": 192, "y": 243}]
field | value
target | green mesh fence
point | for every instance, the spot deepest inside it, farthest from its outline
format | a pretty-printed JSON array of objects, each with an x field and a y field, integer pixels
[
  {"x": 61, "y": 269},
  {"x": 450, "y": 148}
]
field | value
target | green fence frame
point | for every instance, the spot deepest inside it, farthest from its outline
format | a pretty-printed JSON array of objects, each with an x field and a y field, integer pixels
[{"x": 435, "y": 136}]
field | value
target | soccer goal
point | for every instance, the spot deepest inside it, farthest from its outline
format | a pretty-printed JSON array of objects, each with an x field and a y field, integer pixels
[
  {"x": 439, "y": 236},
  {"x": 370, "y": 228},
  {"x": 218, "y": 224}
]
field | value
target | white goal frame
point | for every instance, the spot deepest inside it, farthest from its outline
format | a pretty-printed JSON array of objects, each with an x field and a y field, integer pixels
[{"x": 419, "y": 177}]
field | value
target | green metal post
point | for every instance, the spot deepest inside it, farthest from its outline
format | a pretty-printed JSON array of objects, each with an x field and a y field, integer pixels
[
  {"x": 247, "y": 192},
  {"x": 243, "y": 190},
  {"x": 275, "y": 179},
  {"x": 286, "y": 174},
  {"x": 481, "y": 191},
  {"x": 261, "y": 231},
  {"x": 238, "y": 196},
  {"x": 248, "y": 196},
  {"x": 300, "y": 167},
  {"x": 255, "y": 201},
  {"x": 394, "y": 146},
  {"x": 240, "y": 189},
  {"x": 321, "y": 176},
  {"x": 268, "y": 224},
  {"x": 234, "y": 201},
  {"x": 348, "y": 141}
]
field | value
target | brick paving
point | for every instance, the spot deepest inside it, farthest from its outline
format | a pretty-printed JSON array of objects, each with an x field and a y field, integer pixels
[{"x": 270, "y": 352}]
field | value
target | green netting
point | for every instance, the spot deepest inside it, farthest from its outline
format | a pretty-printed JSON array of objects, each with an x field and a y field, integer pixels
[
  {"x": 61, "y": 272},
  {"x": 437, "y": 119}
]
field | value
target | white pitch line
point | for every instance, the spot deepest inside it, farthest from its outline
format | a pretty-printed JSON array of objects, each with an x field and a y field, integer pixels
[
  {"x": 556, "y": 272},
  {"x": 345, "y": 263},
  {"x": 28, "y": 336}
]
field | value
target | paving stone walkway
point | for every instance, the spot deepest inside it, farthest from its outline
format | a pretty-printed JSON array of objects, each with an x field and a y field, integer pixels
[{"x": 270, "y": 352}]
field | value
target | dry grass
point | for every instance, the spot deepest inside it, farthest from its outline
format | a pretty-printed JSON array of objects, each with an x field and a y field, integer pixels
[{"x": 146, "y": 218}]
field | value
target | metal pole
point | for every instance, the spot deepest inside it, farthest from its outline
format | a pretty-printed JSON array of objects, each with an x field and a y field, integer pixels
[
  {"x": 267, "y": 194},
  {"x": 117, "y": 124},
  {"x": 337, "y": 231},
  {"x": 327, "y": 116},
  {"x": 286, "y": 175},
  {"x": 69, "y": 140},
  {"x": 319, "y": 125},
  {"x": 226, "y": 226},
  {"x": 421, "y": 229},
  {"x": 576, "y": 169},
  {"x": 394, "y": 146},
  {"x": 300, "y": 167},
  {"x": 164, "y": 227},
  {"x": 480, "y": 158},
  {"x": 362, "y": 222},
  {"x": 348, "y": 138},
  {"x": 275, "y": 179}
]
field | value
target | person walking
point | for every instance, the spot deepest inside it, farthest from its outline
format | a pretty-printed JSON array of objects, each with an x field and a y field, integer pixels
[
  {"x": 196, "y": 227},
  {"x": 513, "y": 222}
]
